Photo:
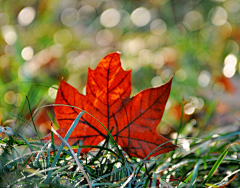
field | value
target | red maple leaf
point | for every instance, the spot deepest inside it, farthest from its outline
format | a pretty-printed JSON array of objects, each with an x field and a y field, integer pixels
[{"x": 133, "y": 120}]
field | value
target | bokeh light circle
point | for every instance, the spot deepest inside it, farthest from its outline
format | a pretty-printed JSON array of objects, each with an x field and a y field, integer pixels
[
  {"x": 27, "y": 53},
  {"x": 69, "y": 16},
  {"x": 140, "y": 17},
  {"x": 110, "y": 18},
  {"x": 26, "y": 16}
]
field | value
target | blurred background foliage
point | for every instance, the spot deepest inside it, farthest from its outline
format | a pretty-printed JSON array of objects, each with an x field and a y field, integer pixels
[{"x": 196, "y": 41}]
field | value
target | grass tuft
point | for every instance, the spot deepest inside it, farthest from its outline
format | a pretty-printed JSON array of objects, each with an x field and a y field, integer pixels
[{"x": 208, "y": 161}]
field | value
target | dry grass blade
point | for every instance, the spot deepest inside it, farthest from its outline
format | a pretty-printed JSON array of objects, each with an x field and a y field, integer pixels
[
  {"x": 128, "y": 180},
  {"x": 225, "y": 185}
]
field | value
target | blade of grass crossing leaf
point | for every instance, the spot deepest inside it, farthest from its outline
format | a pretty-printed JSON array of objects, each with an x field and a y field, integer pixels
[
  {"x": 158, "y": 148},
  {"x": 53, "y": 121},
  {"x": 216, "y": 165},
  {"x": 99, "y": 147},
  {"x": 103, "y": 145},
  {"x": 74, "y": 124},
  {"x": 74, "y": 156},
  {"x": 109, "y": 134},
  {"x": 79, "y": 148}
]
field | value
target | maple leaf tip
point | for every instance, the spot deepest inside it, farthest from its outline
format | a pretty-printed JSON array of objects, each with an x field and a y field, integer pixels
[{"x": 118, "y": 53}]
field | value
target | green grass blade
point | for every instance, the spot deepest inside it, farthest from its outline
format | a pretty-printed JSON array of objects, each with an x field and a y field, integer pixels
[
  {"x": 216, "y": 165},
  {"x": 109, "y": 134},
  {"x": 48, "y": 156},
  {"x": 154, "y": 180},
  {"x": 226, "y": 135},
  {"x": 211, "y": 185},
  {"x": 53, "y": 145},
  {"x": 210, "y": 110},
  {"x": 40, "y": 153},
  {"x": 158, "y": 148},
  {"x": 98, "y": 147},
  {"x": 194, "y": 175},
  {"x": 211, "y": 150},
  {"x": 21, "y": 119},
  {"x": 74, "y": 124},
  {"x": 79, "y": 148},
  {"x": 16, "y": 159},
  {"x": 74, "y": 156},
  {"x": 32, "y": 119},
  {"x": 128, "y": 180},
  {"x": 25, "y": 140},
  {"x": 40, "y": 84}
]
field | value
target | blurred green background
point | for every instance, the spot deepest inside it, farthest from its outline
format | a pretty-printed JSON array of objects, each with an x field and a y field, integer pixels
[{"x": 196, "y": 41}]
